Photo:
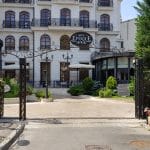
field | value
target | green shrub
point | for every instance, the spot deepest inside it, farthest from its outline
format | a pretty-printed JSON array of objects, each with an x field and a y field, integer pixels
[
  {"x": 111, "y": 83},
  {"x": 105, "y": 93},
  {"x": 42, "y": 94},
  {"x": 76, "y": 90},
  {"x": 132, "y": 87},
  {"x": 29, "y": 89},
  {"x": 14, "y": 88},
  {"x": 88, "y": 85}
]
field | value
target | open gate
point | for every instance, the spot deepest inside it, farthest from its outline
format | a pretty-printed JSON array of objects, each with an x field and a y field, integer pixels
[{"x": 142, "y": 88}]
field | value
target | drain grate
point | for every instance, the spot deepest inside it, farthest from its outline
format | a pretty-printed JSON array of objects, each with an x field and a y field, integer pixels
[{"x": 97, "y": 147}]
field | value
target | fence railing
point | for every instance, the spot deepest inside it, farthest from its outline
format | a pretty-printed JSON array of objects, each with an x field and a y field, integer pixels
[
  {"x": 16, "y": 24},
  {"x": 18, "y": 1},
  {"x": 105, "y": 27},
  {"x": 105, "y": 3},
  {"x": 64, "y": 22}
]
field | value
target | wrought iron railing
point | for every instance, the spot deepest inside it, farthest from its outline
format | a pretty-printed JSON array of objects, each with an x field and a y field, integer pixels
[
  {"x": 18, "y": 1},
  {"x": 105, "y": 3},
  {"x": 105, "y": 27},
  {"x": 64, "y": 22},
  {"x": 16, "y": 24}
]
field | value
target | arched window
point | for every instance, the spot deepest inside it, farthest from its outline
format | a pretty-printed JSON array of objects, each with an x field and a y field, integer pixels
[
  {"x": 9, "y": 19},
  {"x": 45, "y": 17},
  {"x": 65, "y": 42},
  {"x": 84, "y": 19},
  {"x": 65, "y": 17},
  {"x": 105, "y": 19},
  {"x": 105, "y": 22},
  {"x": 105, "y": 44},
  {"x": 45, "y": 42},
  {"x": 24, "y": 43},
  {"x": 9, "y": 43},
  {"x": 24, "y": 20}
]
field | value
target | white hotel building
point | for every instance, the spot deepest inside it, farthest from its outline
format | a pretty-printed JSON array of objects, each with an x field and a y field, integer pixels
[{"x": 33, "y": 26}]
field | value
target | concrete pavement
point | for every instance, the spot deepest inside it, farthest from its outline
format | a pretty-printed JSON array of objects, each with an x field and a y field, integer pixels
[
  {"x": 83, "y": 134},
  {"x": 75, "y": 107}
]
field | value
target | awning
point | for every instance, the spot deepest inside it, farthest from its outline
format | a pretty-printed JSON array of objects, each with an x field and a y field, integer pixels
[
  {"x": 81, "y": 66},
  {"x": 11, "y": 67}
]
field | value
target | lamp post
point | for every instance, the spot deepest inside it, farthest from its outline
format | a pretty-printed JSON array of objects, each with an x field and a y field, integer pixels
[
  {"x": 1, "y": 45},
  {"x": 67, "y": 58},
  {"x": 46, "y": 73}
]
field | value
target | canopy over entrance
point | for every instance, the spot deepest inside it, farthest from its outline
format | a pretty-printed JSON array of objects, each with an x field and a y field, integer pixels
[
  {"x": 77, "y": 67},
  {"x": 81, "y": 66}
]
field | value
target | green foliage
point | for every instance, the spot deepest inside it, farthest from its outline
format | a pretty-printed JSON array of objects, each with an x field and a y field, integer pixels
[
  {"x": 87, "y": 85},
  {"x": 29, "y": 89},
  {"x": 132, "y": 87},
  {"x": 42, "y": 94},
  {"x": 143, "y": 28},
  {"x": 111, "y": 83},
  {"x": 105, "y": 93},
  {"x": 14, "y": 88},
  {"x": 76, "y": 90}
]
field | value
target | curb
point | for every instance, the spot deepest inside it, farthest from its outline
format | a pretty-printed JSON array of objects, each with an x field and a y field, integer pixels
[{"x": 12, "y": 137}]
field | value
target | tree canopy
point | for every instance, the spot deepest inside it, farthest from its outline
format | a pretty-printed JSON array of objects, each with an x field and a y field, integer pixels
[{"x": 143, "y": 29}]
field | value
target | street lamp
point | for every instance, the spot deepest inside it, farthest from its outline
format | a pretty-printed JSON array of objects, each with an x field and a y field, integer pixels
[
  {"x": 67, "y": 58},
  {"x": 1, "y": 45},
  {"x": 46, "y": 73}
]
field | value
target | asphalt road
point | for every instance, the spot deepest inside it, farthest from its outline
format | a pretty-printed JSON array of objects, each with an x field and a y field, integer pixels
[{"x": 83, "y": 134}]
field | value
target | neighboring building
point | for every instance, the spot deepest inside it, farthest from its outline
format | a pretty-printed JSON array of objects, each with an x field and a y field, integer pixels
[
  {"x": 117, "y": 61},
  {"x": 29, "y": 27}
]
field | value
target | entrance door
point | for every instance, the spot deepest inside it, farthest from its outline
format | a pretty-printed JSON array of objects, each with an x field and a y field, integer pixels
[
  {"x": 45, "y": 70},
  {"x": 64, "y": 72}
]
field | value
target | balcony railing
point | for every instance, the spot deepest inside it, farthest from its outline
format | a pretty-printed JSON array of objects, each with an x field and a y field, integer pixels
[
  {"x": 18, "y": 1},
  {"x": 105, "y": 3},
  {"x": 64, "y": 22},
  {"x": 17, "y": 24},
  {"x": 85, "y": 1},
  {"x": 105, "y": 27},
  {"x": 82, "y": 1}
]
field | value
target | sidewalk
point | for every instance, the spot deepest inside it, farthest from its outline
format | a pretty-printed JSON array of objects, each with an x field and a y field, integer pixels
[{"x": 9, "y": 131}]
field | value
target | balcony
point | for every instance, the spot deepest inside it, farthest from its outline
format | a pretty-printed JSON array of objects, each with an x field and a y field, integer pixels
[
  {"x": 105, "y": 27},
  {"x": 60, "y": 22},
  {"x": 17, "y": 24},
  {"x": 18, "y": 1},
  {"x": 105, "y": 3},
  {"x": 85, "y": 1}
]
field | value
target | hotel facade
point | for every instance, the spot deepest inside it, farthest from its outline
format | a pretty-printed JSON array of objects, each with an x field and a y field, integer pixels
[{"x": 40, "y": 30}]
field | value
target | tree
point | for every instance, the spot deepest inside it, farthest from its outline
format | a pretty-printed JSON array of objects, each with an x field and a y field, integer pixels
[{"x": 143, "y": 28}]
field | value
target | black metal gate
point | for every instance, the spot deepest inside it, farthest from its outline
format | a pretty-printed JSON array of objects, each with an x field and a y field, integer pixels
[
  {"x": 142, "y": 88},
  {"x": 22, "y": 97},
  {"x": 1, "y": 99}
]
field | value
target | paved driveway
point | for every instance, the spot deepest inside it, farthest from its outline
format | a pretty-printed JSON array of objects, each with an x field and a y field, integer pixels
[{"x": 75, "y": 107}]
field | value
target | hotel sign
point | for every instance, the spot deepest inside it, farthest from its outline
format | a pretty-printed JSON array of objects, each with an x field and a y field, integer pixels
[{"x": 81, "y": 39}]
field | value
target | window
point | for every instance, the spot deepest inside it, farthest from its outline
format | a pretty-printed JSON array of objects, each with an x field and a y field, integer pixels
[
  {"x": 24, "y": 20},
  {"x": 65, "y": 42},
  {"x": 45, "y": 42},
  {"x": 105, "y": 44},
  {"x": 24, "y": 43},
  {"x": 65, "y": 19},
  {"x": 84, "y": 19},
  {"x": 9, "y": 19},
  {"x": 9, "y": 43},
  {"x": 105, "y": 23},
  {"x": 105, "y": 3},
  {"x": 45, "y": 17}
]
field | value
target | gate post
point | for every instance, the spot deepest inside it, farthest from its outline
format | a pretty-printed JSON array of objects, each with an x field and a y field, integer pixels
[
  {"x": 1, "y": 99},
  {"x": 22, "y": 95},
  {"x": 139, "y": 89}
]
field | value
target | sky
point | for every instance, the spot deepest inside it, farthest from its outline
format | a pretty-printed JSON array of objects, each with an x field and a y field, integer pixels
[{"x": 127, "y": 9}]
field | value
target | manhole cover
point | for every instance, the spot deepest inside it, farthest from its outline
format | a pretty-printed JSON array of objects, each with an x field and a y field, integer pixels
[
  {"x": 23, "y": 142},
  {"x": 97, "y": 147}
]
